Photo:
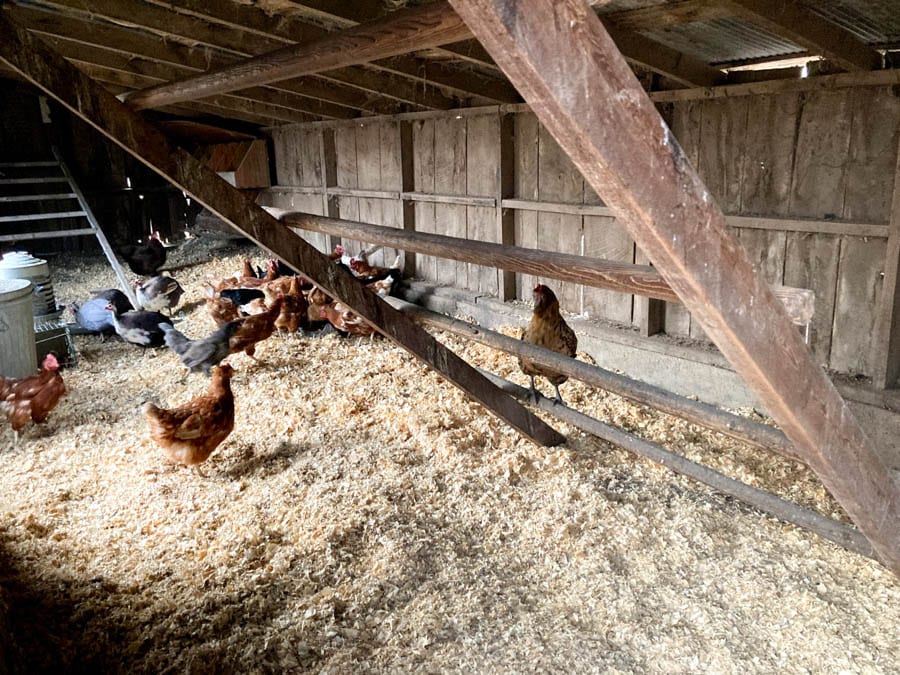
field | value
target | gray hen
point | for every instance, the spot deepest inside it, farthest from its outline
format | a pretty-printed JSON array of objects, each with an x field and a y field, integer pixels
[{"x": 200, "y": 354}]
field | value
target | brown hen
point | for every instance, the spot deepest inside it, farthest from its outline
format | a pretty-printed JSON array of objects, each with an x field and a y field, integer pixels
[
  {"x": 221, "y": 309},
  {"x": 254, "y": 329},
  {"x": 189, "y": 434},
  {"x": 548, "y": 329},
  {"x": 294, "y": 309},
  {"x": 341, "y": 317},
  {"x": 31, "y": 398}
]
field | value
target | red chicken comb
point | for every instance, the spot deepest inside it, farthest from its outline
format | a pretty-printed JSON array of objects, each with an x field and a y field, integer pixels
[
  {"x": 339, "y": 249},
  {"x": 50, "y": 362}
]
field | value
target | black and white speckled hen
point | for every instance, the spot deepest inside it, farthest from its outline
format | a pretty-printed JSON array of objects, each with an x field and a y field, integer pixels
[
  {"x": 139, "y": 327},
  {"x": 159, "y": 293}
]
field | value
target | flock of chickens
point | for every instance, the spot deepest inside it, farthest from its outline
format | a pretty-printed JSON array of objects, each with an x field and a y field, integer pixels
[{"x": 247, "y": 309}]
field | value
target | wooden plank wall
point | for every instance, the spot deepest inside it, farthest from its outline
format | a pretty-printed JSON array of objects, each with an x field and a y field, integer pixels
[
  {"x": 828, "y": 156},
  {"x": 298, "y": 164}
]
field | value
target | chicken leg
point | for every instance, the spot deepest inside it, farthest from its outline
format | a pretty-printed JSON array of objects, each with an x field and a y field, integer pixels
[
  {"x": 534, "y": 392},
  {"x": 559, "y": 398}
]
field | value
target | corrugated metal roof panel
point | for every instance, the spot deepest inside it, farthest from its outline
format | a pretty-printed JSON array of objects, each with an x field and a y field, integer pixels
[
  {"x": 875, "y": 22},
  {"x": 725, "y": 41}
]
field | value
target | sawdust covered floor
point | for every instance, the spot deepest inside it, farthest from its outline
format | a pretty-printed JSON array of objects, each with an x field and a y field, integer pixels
[{"x": 364, "y": 516}]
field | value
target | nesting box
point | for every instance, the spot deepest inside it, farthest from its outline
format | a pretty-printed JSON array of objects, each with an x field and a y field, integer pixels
[{"x": 244, "y": 164}]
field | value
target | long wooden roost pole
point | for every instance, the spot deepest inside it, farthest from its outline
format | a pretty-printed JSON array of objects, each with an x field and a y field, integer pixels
[{"x": 562, "y": 60}]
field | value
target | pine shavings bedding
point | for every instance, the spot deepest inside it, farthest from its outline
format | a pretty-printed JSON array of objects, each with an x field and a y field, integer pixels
[{"x": 365, "y": 516}]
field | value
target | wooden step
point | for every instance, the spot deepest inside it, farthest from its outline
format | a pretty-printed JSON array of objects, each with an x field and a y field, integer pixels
[
  {"x": 49, "y": 234},
  {"x": 37, "y": 198},
  {"x": 35, "y": 180},
  {"x": 24, "y": 165},
  {"x": 42, "y": 216}
]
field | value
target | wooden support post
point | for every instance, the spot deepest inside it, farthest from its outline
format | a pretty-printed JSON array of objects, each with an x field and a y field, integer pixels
[
  {"x": 506, "y": 189},
  {"x": 562, "y": 60},
  {"x": 408, "y": 184},
  {"x": 330, "y": 201},
  {"x": 649, "y": 313},
  {"x": 51, "y": 73},
  {"x": 401, "y": 32},
  {"x": 886, "y": 345},
  {"x": 653, "y": 316}
]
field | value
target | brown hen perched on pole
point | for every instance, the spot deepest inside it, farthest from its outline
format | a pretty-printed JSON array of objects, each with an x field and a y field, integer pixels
[{"x": 548, "y": 329}]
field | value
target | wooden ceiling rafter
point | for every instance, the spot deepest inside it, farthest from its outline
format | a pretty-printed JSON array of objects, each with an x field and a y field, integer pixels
[
  {"x": 198, "y": 109},
  {"x": 659, "y": 58},
  {"x": 98, "y": 56},
  {"x": 193, "y": 33},
  {"x": 398, "y": 33},
  {"x": 267, "y": 33},
  {"x": 289, "y": 30},
  {"x": 165, "y": 49},
  {"x": 671, "y": 14},
  {"x": 636, "y": 48},
  {"x": 231, "y": 103},
  {"x": 348, "y": 14},
  {"x": 612, "y": 132}
]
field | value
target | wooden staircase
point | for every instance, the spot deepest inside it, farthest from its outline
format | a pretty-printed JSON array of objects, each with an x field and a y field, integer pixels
[{"x": 37, "y": 200}]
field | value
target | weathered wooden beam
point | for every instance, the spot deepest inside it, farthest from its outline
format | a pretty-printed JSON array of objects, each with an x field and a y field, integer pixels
[
  {"x": 202, "y": 109},
  {"x": 228, "y": 104},
  {"x": 833, "y": 530},
  {"x": 659, "y": 58},
  {"x": 667, "y": 15},
  {"x": 330, "y": 203},
  {"x": 562, "y": 60},
  {"x": 796, "y": 23},
  {"x": 506, "y": 187},
  {"x": 54, "y": 75},
  {"x": 874, "y": 78},
  {"x": 408, "y": 184},
  {"x": 708, "y": 416},
  {"x": 616, "y": 276},
  {"x": 190, "y": 41},
  {"x": 347, "y": 14},
  {"x": 462, "y": 200},
  {"x": 165, "y": 72},
  {"x": 637, "y": 48},
  {"x": 293, "y": 29},
  {"x": 886, "y": 342},
  {"x": 641, "y": 280},
  {"x": 78, "y": 32},
  {"x": 401, "y": 32}
]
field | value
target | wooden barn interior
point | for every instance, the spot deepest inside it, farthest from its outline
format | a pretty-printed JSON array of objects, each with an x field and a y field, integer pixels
[{"x": 709, "y": 186}]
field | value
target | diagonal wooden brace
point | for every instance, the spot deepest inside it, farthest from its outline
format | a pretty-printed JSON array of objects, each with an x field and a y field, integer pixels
[
  {"x": 562, "y": 60},
  {"x": 54, "y": 75}
]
